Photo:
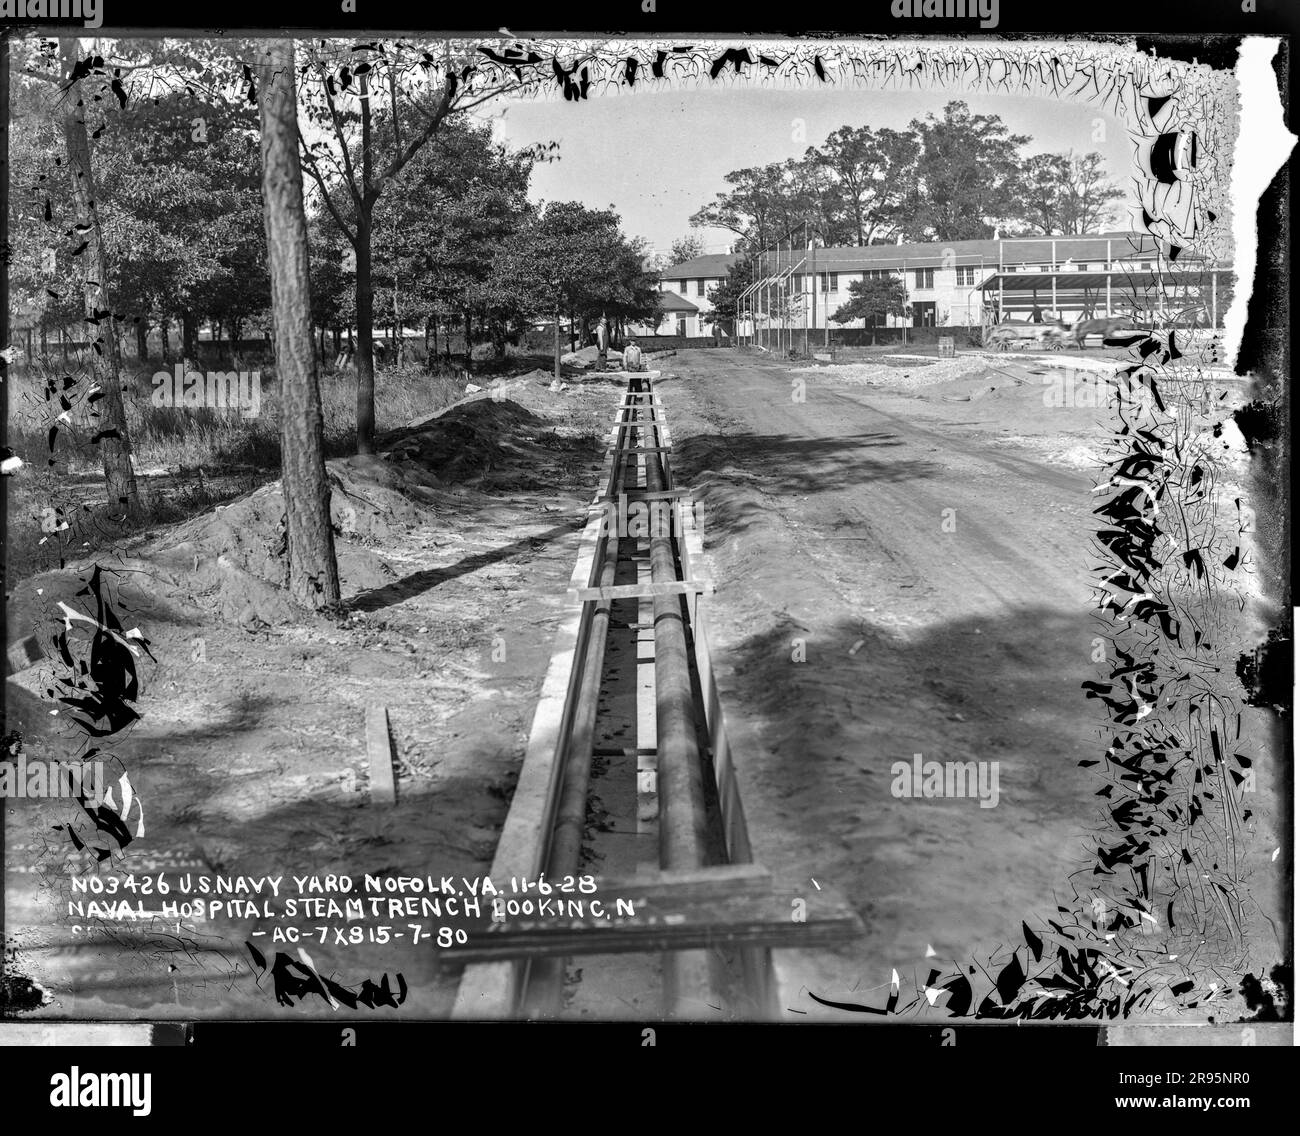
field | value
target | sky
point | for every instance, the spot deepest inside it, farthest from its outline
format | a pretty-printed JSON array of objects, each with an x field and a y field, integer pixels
[{"x": 658, "y": 156}]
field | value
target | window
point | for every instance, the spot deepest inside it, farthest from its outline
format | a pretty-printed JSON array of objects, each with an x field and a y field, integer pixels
[
  {"x": 1083, "y": 268},
  {"x": 699, "y": 287},
  {"x": 925, "y": 278},
  {"x": 798, "y": 282},
  {"x": 835, "y": 282},
  {"x": 966, "y": 275}
]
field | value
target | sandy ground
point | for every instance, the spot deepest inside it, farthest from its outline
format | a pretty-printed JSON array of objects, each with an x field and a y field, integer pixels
[
  {"x": 903, "y": 566},
  {"x": 901, "y": 552},
  {"x": 250, "y": 753}
]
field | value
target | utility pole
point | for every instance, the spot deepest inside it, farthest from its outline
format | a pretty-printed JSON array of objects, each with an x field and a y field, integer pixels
[
  {"x": 780, "y": 300},
  {"x": 812, "y": 276}
]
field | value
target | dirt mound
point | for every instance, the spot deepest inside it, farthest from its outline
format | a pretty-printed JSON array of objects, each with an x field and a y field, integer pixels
[
  {"x": 231, "y": 563},
  {"x": 467, "y": 442},
  {"x": 900, "y": 373},
  {"x": 587, "y": 356}
]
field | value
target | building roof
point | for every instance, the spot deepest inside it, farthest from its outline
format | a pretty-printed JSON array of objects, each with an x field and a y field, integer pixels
[
  {"x": 1014, "y": 251},
  {"x": 712, "y": 264},
  {"x": 672, "y": 302}
]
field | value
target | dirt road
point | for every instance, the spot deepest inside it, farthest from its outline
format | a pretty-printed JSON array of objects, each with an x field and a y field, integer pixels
[{"x": 896, "y": 578}]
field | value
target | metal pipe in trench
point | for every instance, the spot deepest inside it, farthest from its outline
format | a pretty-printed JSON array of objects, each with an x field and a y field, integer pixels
[
  {"x": 682, "y": 832},
  {"x": 680, "y": 781},
  {"x": 545, "y": 986}
]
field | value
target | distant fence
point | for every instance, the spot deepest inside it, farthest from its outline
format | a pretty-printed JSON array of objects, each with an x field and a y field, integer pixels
[
  {"x": 676, "y": 342},
  {"x": 805, "y": 342},
  {"x": 963, "y": 334}
]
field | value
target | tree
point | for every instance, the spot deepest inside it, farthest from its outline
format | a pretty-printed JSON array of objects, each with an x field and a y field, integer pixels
[
  {"x": 437, "y": 242},
  {"x": 1067, "y": 193},
  {"x": 870, "y": 171},
  {"x": 872, "y": 299},
  {"x": 364, "y": 150},
  {"x": 684, "y": 249},
  {"x": 313, "y": 571},
  {"x": 725, "y": 296},
  {"x": 758, "y": 208},
  {"x": 968, "y": 177},
  {"x": 183, "y": 180},
  {"x": 1044, "y": 176},
  {"x": 106, "y": 353},
  {"x": 1086, "y": 194},
  {"x": 574, "y": 261}
]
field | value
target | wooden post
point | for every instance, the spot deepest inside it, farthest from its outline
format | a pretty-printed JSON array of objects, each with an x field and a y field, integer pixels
[{"x": 379, "y": 751}]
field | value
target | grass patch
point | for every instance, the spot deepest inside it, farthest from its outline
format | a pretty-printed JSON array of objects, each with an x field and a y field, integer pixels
[{"x": 187, "y": 460}]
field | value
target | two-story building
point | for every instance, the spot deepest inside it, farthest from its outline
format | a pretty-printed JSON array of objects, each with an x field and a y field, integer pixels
[{"x": 946, "y": 284}]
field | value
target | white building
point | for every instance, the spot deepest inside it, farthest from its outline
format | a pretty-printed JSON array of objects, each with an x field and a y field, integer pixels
[{"x": 947, "y": 284}]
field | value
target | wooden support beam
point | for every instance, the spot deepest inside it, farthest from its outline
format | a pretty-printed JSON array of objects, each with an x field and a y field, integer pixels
[
  {"x": 633, "y": 495},
  {"x": 379, "y": 749},
  {"x": 705, "y": 914},
  {"x": 640, "y": 591}
]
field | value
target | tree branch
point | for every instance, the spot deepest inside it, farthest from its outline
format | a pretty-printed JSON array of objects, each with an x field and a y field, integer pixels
[
  {"x": 311, "y": 167},
  {"x": 351, "y": 178},
  {"x": 399, "y": 161}
]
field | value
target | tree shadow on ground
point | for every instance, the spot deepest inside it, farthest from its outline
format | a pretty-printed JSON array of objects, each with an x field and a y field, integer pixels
[
  {"x": 755, "y": 468},
  {"x": 410, "y": 586}
]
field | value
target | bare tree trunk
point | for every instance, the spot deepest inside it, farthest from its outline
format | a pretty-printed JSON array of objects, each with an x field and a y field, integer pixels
[
  {"x": 142, "y": 339},
  {"x": 106, "y": 364},
  {"x": 557, "y": 345},
  {"x": 365, "y": 358},
  {"x": 365, "y": 296},
  {"x": 313, "y": 570},
  {"x": 189, "y": 338},
  {"x": 469, "y": 346},
  {"x": 398, "y": 341}
]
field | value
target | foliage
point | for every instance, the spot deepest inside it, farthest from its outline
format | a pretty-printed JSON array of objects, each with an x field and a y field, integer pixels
[
  {"x": 684, "y": 249},
  {"x": 725, "y": 297},
  {"x": 954, "y": 177},
  {"x": 872, "y": 299}
]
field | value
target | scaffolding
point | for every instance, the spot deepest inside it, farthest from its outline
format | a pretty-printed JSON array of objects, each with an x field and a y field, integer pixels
[{"x": 778, "y": 311}]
